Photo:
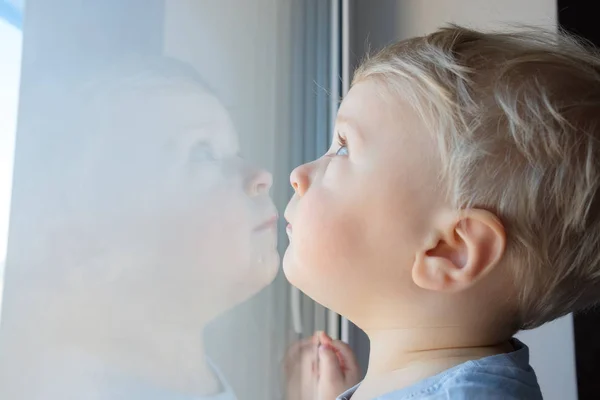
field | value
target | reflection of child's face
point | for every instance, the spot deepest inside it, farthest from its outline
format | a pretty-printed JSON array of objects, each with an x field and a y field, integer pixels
[
  {"x": 361, "y": 211},
  {"x": 196, "y": 221}
]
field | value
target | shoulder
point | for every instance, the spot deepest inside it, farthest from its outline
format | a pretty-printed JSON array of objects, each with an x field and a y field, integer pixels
[
  {"x": 505, "y": 376},
  {"x": 486, "y": 381},
  {"x": 473, "y": 384},
  {"x": 481, "y": 383}
]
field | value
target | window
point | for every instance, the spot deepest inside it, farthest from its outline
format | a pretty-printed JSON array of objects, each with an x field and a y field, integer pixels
[
  {"x": 10, "y": 68},
  {"x": 141, "y": 226}
]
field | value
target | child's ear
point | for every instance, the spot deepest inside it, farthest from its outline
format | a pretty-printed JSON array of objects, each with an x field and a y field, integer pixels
[{"x": 464, "y": 250}]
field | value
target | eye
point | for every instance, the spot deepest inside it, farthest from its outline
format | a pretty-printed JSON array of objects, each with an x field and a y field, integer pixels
[
  {"x": 201, "y": 152},
  {"x": 343, "y": 150}
]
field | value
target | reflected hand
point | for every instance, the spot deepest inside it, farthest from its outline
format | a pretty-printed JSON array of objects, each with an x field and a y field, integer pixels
[{"x": 320, "y": 368}]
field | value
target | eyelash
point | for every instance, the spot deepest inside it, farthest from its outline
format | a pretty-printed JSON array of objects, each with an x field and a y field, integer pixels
[{"x": 343, "y": 145}]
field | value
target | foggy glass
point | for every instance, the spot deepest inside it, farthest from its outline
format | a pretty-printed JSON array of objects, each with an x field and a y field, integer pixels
[{"x": 153, "y": 149}]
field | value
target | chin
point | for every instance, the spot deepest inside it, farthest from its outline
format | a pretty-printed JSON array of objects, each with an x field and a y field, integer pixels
[
  {"x": 258, "y": 277},
  {"x": 299, "y": 274},
  {"x": 267, "y": 271},
  {"x": 288, "y": 268},
  {"x": 295, "y": 276},
  {"x": 312, "y": 285}
]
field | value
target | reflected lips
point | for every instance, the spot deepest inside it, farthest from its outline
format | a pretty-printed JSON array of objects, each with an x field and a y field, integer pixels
[
  {"x": 271, "y": 223},
  {"x": 288, "y": 229}
]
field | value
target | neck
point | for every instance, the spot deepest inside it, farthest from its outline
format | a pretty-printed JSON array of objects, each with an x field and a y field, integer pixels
[
  {"x": 400, "y": 357},
  {"x": 400, "y": 348}
]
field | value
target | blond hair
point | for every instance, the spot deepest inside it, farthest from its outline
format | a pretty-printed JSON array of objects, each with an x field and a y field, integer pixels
[{"x": 517, "y": 119}]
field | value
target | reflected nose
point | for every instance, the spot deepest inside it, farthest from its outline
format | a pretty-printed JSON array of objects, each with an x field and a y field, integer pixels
[
  {"x": 258, "y": 182},
  {"x": 300, "y": 179}
]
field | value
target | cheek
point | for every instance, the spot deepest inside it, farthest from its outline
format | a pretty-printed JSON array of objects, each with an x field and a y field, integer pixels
[
  {"x": 211, "y": 253},
  {"x": 327, "y": 243},
  {"x": 222, "y": 225},
  {"x": 210, "y": 227}
]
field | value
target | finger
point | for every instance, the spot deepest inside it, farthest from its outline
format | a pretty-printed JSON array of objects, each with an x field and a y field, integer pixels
[
  {"x": 296, "y": 353},
  {"x": 324, "y": 338},
  {"x": 329, "y": 366},
  {"x": 316, "y": 338},
  {"x": 308, "y": 356},
  {"x": 346, "y": 356},
  {"x": 293, "y": 351},
  {"x": 299, "y": 344}
]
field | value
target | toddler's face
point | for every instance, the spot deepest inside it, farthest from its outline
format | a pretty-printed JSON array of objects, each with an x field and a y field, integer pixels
[
  {"x": 194, "y": 220},
  {"x": 361, "y": 212}
]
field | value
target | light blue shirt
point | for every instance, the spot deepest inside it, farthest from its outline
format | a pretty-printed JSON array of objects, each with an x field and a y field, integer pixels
[{"x": 500, "y": 377}]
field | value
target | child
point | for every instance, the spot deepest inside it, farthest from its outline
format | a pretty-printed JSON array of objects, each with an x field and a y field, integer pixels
[
  {"x": 151, "y": 226},
  {"x": 457, "y": 205}
]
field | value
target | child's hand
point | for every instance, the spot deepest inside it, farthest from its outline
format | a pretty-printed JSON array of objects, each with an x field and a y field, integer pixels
[
  {"x": 320, "y": 368},
  {"x": 300, "y": 367},
  {"x": 338, "y": 368}
]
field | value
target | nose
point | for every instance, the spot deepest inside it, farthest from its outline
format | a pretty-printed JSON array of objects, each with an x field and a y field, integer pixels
[
  {"x": 258, "y": 182},
  {"x": 300, "y": 179}
]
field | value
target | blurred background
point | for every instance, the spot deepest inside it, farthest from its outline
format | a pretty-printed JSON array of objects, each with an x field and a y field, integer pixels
[{"x": 279, "y": 68}]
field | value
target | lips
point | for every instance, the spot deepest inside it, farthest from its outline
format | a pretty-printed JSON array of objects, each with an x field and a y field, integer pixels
[
  {"x": 288, "y": 228},
  {"x": 270, "y": 223}
]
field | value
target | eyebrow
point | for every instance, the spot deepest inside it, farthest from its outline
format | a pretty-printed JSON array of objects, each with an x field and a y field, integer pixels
[
  {"x": 203, "y": 132},
  {"x": 341, "y": 120}
]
